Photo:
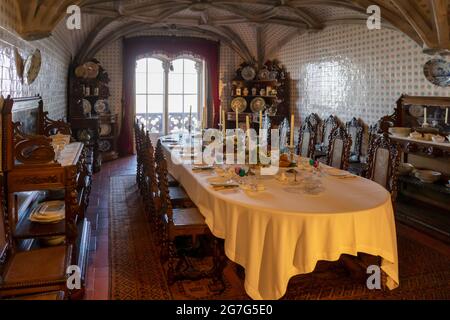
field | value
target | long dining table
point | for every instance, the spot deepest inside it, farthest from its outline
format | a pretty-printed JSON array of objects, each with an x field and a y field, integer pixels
[{"x": 281, "y": 232}]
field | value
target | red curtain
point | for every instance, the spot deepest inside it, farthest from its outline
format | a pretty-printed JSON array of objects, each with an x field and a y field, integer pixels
[{"x": 135, "y": 47}]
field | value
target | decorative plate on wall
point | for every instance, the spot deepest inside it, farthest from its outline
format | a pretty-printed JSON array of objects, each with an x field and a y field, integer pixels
[
  {"x": 264, "y": 74},
  {"x": 239, "y": 104},
  {"x": 87, "y": 107},
  {"x": 33, "y": 66},
  {"x": 105, "y": 129},
  {"x": 92, "y": 70},
  {"x": 81, "y": 71},
  {"x": 416, "y": 111},
  {"x": 19, "y": 63},
  {"x": 248, "y": 73},
  {"x": 257, "y": 104},
  {"x": 273, "y": 75},
  {"x": 104, "y": 145},
  {"x": 101, "y": 106},
  {"x": 437, "y": 71}
]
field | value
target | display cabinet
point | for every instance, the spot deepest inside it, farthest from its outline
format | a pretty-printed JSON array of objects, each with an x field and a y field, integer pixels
[
  {"x": 256, "y": 89},
  {"x": 34, "y": 171},
  {"x": 423, "y": 204}
]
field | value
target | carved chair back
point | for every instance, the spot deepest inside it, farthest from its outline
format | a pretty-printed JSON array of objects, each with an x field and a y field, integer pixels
[
  {"x": 383, "y": 161},
  {"x": 314, "y": 120},
  {"x": 331, "y": 124},
  {"x": 306, "y": 140},
  {"x": 355, "y": 130},
  {"x": 339, "y": 149}
]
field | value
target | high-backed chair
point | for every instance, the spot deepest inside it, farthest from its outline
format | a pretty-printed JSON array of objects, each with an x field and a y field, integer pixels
[
  {"x": 30, "y": 272},
  {"x": 383, "y": 161},
  {"x": 339, "y": 149},
  {"x": 306, "y": 140},
  {"x": 331, "y": 124},
  {"x": 355, "y": 130},
  {"x": 315, "y": 121},
  {"x": 184, "y": 222}
]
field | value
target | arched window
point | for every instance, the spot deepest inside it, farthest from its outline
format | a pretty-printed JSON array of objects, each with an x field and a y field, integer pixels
[{"x": 169, "y": 93}]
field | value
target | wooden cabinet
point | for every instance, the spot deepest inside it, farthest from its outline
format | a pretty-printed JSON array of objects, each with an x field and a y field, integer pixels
[
  {"x": 425, "y": 206},
  {"x": 88, "y": 102},
  {"x": 108, "y": 136},
  {"x": 269, "y": 82},
  {"x": 33, "y": 172}
]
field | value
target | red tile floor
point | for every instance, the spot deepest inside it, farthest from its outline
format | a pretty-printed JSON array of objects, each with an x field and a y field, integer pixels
[{"x": 97, "y": 286}]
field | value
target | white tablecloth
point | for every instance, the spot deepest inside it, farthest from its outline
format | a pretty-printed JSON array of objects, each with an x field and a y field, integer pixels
[{"x": 275, "y": 234}]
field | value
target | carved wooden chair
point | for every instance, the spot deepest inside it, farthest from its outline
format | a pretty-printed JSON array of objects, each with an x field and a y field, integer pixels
[
  {"x": 355, "y": 129},
  {"x": 331, "y": 124},
  {"x": 187, "y": 223},
  {"x": 30, "y": 272},
  {"x": 339, "y": 149},
  {"x": 306, "y": 140},
  {"x": 138, "y": 136},
  {"x": 383, "y": 161},
  {"x": 315, "y": 121}
]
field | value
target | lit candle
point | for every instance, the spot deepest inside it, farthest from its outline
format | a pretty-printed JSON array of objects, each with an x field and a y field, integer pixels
[
  {"x": 237, "y": 118},
  {"x": 260, "y": 120},
  {"x": 425, "y": 116},
  {"x": 446, "y": 115},
  {"x": 247, "y": 122},
  {"x": 292, "y": 131}
]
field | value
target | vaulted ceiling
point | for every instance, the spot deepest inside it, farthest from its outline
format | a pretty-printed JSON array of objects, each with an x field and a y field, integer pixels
[{"x": 255, "y": 29}]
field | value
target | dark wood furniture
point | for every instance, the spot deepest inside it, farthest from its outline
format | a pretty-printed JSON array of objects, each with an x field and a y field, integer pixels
[
  {"x": 425, "y": 206},
  {"x": 355, "y": 128},
  {"x": 383, "y": 161},
  {"x": 185, "y": 222},
  {"x": 31, "y": 174},
  {"x": 85, "y": 119},
  {"x": 339, "y": 149},
  {"x": 328, "y": 127},
  {"x": 109, "y": 133},
  {"x": 277, "y": 105},
  {"x": 306, "y": 140}
]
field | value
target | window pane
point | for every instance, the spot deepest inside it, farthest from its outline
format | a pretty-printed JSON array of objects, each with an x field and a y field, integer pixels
[
  {"x": 191, "y": 100},
  {"x": 189, "y": 66},
  {"x": 140, "y": 82},
  {"x": 155, "y": 103},
  {"x": 177, "y": 66},
  {"x": 176, "y": 104},
  {"x": 141, "y": 65},
  {"x": 140, "y": 104},
  {"x": 190, "y": 83},
  {"x": 175, "y": 83},
  {"x": 155, "y": 66},
  {"x": 156, "y": 83}
]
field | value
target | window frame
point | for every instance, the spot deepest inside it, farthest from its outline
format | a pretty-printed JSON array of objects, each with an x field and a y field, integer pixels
[{"x": 166, "y": 64}]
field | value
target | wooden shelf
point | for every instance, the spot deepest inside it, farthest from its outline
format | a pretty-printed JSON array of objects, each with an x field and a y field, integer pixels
[{"x": 250, "y": 96}]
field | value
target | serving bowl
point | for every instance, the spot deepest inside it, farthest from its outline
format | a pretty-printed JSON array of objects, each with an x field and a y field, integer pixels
[
  {"x": 428, "y": 176},
  {"x": 438, "y": 139},
  {"x": 400, "y": 131},
  {"x": 405, "y": 169}
]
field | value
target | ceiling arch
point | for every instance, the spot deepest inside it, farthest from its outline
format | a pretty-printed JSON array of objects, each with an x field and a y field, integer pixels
[{"x": 247, "y": 26}]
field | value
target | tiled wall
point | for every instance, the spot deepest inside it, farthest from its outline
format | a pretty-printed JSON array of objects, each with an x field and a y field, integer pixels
[
  {"x": 51, "y": 82},
  {"x": 350, "y": 71},
  {"x": 111, "y": 59}
]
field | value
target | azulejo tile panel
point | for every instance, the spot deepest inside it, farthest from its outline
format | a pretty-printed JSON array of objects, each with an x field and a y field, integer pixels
[
  {"x": 52, "y": 80},
  {"x": 351, "y": 71}
]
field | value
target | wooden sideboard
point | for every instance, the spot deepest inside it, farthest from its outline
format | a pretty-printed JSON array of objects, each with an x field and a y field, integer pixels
[
  {"x": 32, "y": 174},
  {"x": 425, "y": 206}
]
